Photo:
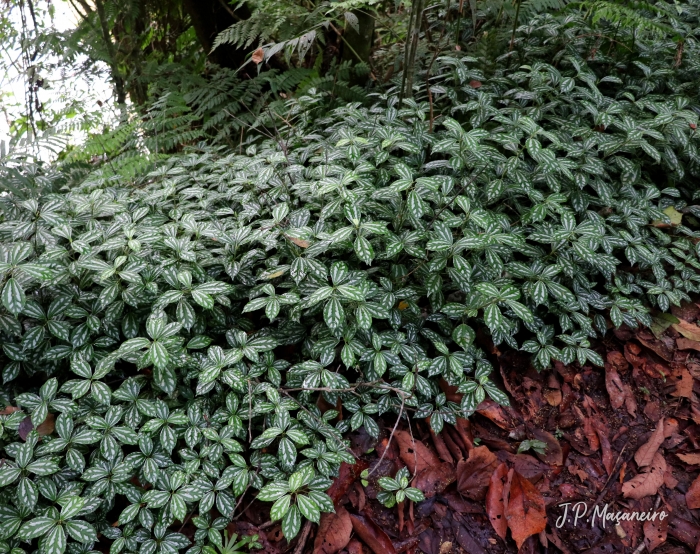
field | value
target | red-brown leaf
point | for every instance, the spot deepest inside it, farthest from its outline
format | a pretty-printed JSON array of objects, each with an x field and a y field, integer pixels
[
  {"x": 647, "y": 483},
  {"x": 347, "y": 475},
  {"x": 620, "y": 393},
  {"x": 474, "y": 473},
  {"x": 525, "y": 510},
  {"x": 333, "y": 532},
  {"x": 495, "y": 508},
  {"x": 655, "y": 532},
  {"x": 692, "y": 497},
  {"x": 372, "y": 535},
  {"x": 433, "y": 480},
  {"x": 45, "y": 428},
  {"x": 646, "y": 452},
  {"x": 415, "y": 455}
]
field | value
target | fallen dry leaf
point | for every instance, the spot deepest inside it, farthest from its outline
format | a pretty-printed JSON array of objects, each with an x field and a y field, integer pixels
[
  {"x": 9, "y": 410},
  {"x": 620, "y": 393},
  {"x": 347, "y": 474},
  {"x": 45, "y": 428},
  {"x": 692, "y": 458},
  {"x": 647, "y": 483},
  {"x": 525, "y": 512},
  {"x": 299, "y": 242},
  {"x": 258, "y": 56},
  {"x": 474, "y": 473},
  {"x": 435, "y": 479},
  {"x": 415, "y": 455},
  {"x": 688, "y": 330},
  {"x": 496, "y": 413},
  {"x": 606, "y": 451},
  {"x": 355, "y": 547},
  {"x": 553, "y": 454},
  {"x": 683, "y": 381},
  {"x": 692, "y": 497},
  {"x": 334, "y": 532},
  {"x": 495, "y": 507},
  {"x": 655, "y": 532},
  {"x": 588, "y": 429},
  {"x": 646, "y": 452},
  {"x": 372, "y": 535},
  {"x": 687, "y": 344},
  {"x": 552, "y": 396}
]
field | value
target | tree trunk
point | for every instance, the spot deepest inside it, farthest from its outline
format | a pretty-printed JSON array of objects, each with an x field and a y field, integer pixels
[
  {"x": 357, "y": 47},
  {"x": 209, "y": 18}
]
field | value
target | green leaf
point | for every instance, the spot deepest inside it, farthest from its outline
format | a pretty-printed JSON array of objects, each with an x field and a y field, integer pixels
[{"x": 13, "y": 296}]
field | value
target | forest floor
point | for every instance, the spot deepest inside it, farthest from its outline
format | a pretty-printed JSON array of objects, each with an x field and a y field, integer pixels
[{"x": 621, "y": 441}]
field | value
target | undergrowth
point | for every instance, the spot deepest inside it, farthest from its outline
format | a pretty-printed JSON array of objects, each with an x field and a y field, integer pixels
[{"x": 201, "y": 325}]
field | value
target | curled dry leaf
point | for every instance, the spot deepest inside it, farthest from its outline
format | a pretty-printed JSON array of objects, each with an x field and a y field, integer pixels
[
  {"x": 474, "y": 473},
  {"x": 606, "y": 451},
  {"x": 692, "y": 497},
  {"x": 692, "y": 458},
  {"x": 372, "y": 535},
  {"x": 415, "y": 455},
  {"x": 258, "y": 56},
  {"x": 645, "y": 455},
  {"x": 553, "y": 454},
  {"x": 688, "y": 330},
  {"x": 334, "y": 532},
  {"x": 495, "y": 506},
  {"x": 647, "y": 483},
  {"x": 620, "y": 393},
  {"x": 525, "y": 510}
]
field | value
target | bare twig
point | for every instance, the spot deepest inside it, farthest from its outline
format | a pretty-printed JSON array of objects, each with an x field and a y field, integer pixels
[
  {"x": 304, "y": 535},
  {"x": 393, "y": 431}
]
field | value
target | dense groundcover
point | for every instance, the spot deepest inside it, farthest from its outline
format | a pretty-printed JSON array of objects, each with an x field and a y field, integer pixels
[{"x": 166, "y": 342}]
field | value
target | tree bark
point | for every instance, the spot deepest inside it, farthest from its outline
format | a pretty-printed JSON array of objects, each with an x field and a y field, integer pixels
[{"x": 209, "y": 18}]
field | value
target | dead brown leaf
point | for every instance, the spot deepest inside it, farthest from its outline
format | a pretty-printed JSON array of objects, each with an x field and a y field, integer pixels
[
  {"x": 647, "y": 483},
  {"x": 646, "y": 452},
  {"x": 299, "y": 242},
  {"x": 415, "y": 455},
  {"x": 692, "y": 497},
  {"x": 372, "y": 534},
  {"x": 334, "y": 532},
  {"x": 474, "y": 473},
  {"x": 606, "y": 451},
  {"x": 434, "y": 479},
  {"x": 9, "y": 410},
  {"x": 258, "y": 56},
  {"x": 692, "y": 458},
  {"x": 655, "y": 532},
  {"x": 683, "y": 381},
  {"x": 525, "y": 511},
  {"x": 495, "y": 507},
  {"x": 553, "y": 454},
  {"x": 355, "y": 547},
  {"x": 588, "y": 429},
  {"x": 620, "y": 393},
  {"x": 688, "y": 330},
  {"x": 687, "y": 344},
  {"x": 347, "y": 475},
  {"x": 552, "y": 396},
  {"x": 45, "y": 428},
  {"x": 496, "y": 413}
]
